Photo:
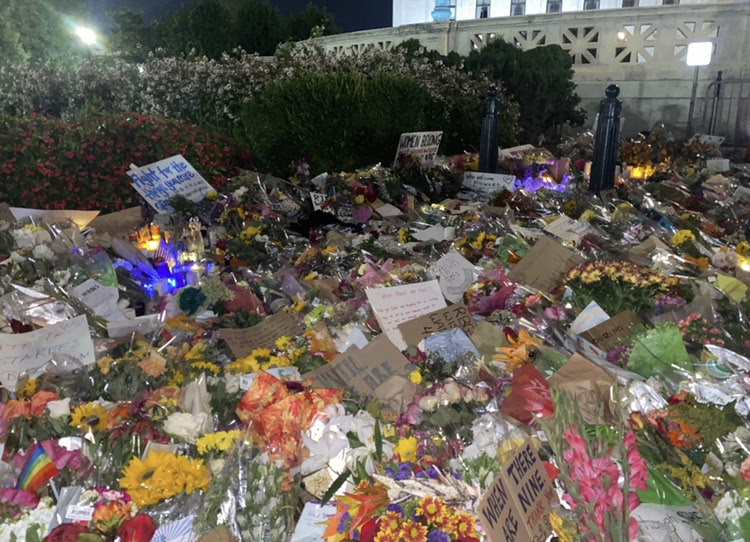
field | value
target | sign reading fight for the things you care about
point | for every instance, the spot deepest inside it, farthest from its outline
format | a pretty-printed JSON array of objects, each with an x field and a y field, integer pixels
[
  {"x": 516, "y": 506},
  {"x": 425, "y": 145},
  {"x": 160, "y": 181}
]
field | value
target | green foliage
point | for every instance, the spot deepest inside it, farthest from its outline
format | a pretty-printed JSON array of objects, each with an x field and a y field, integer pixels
[
  {"x": 37, "y": 30},
  {"x": 258, "y": 27},
  {"x": 130, "y": 38},
  {"x": 540, "y": 80},
  {"x": 312, "y": 22},
  {"x": 342, "y": 121}
]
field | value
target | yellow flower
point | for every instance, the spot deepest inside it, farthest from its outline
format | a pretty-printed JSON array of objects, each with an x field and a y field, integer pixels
[
  {"x": 205, "y": 366},
  {"x": 411, "y": 531},
  {"x": 282, "y": 343},
  {"x": 680, "y": 237},
  {"x": 89, "y": 417},
  {"x": 28, "y": 389},
  {"x": 359, "y": 200},
  {"x": 212, "y": 195},
  {"x": 463, "y": 525},
  {"x": 742, "y": 248},
  {"x": 250, "y": 233},
  {"x": 520, "y": 351},
  {"x": 104, "y": 364},
  {"x": 217, "y": 442},
  {"x": 558, "y": 525},
  {"x": 406, "y": 449},
  {"x": 330, "y": 250},
  {"x": 433, "y": 510},
  {"x": 479, "y": 241},
  {"x": 310, "y": 276},
  {"x": 415, "y": 376},
  {"x": 154, "y": 365},
  {"x": 162, "y": 475}
]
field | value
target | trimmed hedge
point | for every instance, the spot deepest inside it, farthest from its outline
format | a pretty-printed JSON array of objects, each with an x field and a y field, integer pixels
[{"x": 50, "y": 164}]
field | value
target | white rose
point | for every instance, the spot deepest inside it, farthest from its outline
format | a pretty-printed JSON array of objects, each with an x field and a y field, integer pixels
[
  {"x": 187, "y": 426},
  {"x": 58, "y": 409},
  {"x": 452, "y": 392},
  {"x": 428, "y": 403}
]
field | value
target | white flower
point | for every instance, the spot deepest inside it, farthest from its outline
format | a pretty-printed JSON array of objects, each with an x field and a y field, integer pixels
[
  {"x": 16, "y": 257},
  {"x": 451, "y": 393},
  {"x": 428, "y": 403},
  {"x": 58, "y": 409},
  {"x": 237, "y": 194},
  {"x": 43, "y": 252},
  {"x": 186, "y": 426}
]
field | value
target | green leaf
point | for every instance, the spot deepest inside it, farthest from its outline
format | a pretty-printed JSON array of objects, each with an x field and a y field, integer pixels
[
  {"x": 335, "y": 486},
  {"x": 378, "y": 440},
  {"x": 362, "y": 472}
]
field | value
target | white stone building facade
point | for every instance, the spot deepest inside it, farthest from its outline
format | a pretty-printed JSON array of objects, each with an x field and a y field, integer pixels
[{"x": 421, "y": 11}]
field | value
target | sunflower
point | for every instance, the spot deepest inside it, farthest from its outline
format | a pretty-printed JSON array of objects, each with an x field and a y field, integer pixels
[
  {"x": 162, "y": 475},
  {"x": 89, "y": 417}
]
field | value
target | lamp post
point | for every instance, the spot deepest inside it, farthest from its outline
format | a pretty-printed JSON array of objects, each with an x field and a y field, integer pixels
[{"x": 698, "y": 54}]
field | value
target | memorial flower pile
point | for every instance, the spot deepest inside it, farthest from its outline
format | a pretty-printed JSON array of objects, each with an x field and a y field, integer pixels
[{"x": 382, "y": 355}]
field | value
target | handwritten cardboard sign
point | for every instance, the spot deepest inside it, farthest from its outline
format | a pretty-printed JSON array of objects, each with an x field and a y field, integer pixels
[
  {"x": 544, "y": 265},
  {"x": 119, "y": 224},
  {"x": 488, "y": 183},
  {"x": 361, "y": 370},
  {"x": 398, "y": 304},
  {"x": 438, "y": 321},
  {"x": 516, "y": 506},
  {"x": 27, "y": 351},
  {"x": 608, "y": 334},
  {"x": 455, "y": 275},
  {"x": 589, "y": 386},
  {"x": 425, "y": 145},
  {"x": 263, "y": 335},
  {"x": 160, "y": 181}
]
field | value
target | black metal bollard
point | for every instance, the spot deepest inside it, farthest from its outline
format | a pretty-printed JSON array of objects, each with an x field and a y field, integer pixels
[
  {"x": 488, "y": 151},
  {"x": 606, "y": 142}
]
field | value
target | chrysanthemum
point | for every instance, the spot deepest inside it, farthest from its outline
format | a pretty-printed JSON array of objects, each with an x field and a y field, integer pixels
[
  {"x": 433, "y": 510},
  {"x": 463, "y": 525},
  {"x": 411, "y": 531}
]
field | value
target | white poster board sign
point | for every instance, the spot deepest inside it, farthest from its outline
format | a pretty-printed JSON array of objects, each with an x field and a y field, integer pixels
[
  {"x": 422, "y": 144},
  {"x": 27, "y": 351},
  {"x": 488, "y": 183},
  {"x": 160, "y": 181}
]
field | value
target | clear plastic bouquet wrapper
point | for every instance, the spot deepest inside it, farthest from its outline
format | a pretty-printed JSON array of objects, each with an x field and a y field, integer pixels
[{"x": 252, "y": 497}]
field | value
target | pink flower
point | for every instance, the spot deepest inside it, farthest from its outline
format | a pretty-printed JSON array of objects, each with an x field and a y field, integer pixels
[
  {"x": 745, "y": 469},
  {"x": 19, "y": 497},
  {"x": 413, "y": 414}
]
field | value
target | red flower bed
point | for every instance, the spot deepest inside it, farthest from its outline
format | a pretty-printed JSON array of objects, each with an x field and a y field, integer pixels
[{"x": 49, "y": 164}]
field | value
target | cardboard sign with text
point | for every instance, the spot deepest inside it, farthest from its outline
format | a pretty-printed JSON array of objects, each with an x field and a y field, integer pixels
[
  {"x": 160, "y": 181},
  {"x": 438, "y": 321},
  {"x": 119, "y": 224},
  {"x": 589, "y": 387},
  {"x": 425, "y": 145},
  {"x": 488, "y": 183},
  {"x": 567, "y": 229},
  {"x": 609, "y": 333},
  {"x": 361, "y": 370},
  {"x": 516, "y": 506},
  {"x": 263, "y": 335},
  {"x": 544, "y": 265}
]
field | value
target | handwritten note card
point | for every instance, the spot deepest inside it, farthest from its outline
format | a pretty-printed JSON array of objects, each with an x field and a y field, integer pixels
[
  {"x": 567, "y": 229},
  {"x": 516, "y": 506},
  {"x": 544, "y": 265},
  {"x": 455, "y": 316},
  {"x": 361, "y": 370},
  {"x": 608, "y": 334},
  {"x": 160, "y": 181},
  {"x": 398, "y": 304},
  {"x": 263, "y": 335},
  {"x": 312, "y": 522},
  {"x": 425, "y": 145},
  {"x": 455, "y": 275},
  {"x": 19, "y": 353},
  {"x": 488, "y": 183}
]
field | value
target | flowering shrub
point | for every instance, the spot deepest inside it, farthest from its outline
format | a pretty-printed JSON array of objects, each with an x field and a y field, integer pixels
[
  {"x": 46, "y": 163},
  {"x": 214, "y": 93}
]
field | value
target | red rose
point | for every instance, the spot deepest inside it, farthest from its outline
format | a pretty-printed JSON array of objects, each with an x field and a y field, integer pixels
[
  {"x": 67, "y": 532},
  {"x": 139, "y": 528}
]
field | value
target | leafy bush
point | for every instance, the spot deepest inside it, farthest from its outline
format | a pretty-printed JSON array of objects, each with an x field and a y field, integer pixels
[
  {"x": 51, "y": 164},
  {"x": 340, "y": 120},
  {"x": 539, "y": 79}
]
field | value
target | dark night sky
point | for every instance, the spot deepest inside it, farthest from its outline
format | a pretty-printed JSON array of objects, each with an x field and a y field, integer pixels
[{"x": 350, "y": 14}]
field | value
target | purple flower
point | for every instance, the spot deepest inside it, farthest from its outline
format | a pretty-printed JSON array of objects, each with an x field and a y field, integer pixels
[
  {"x": 395, "y": 508},
  {"x": 429, "y": 472},
  {"x": 343, "y": 523},
  {"x": 438, "y": 536}
]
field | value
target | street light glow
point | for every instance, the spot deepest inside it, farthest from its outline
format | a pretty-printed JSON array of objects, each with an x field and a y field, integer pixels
[
  {"x": 699, "y": 53},
  {"x": 87, "y": 35}
]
